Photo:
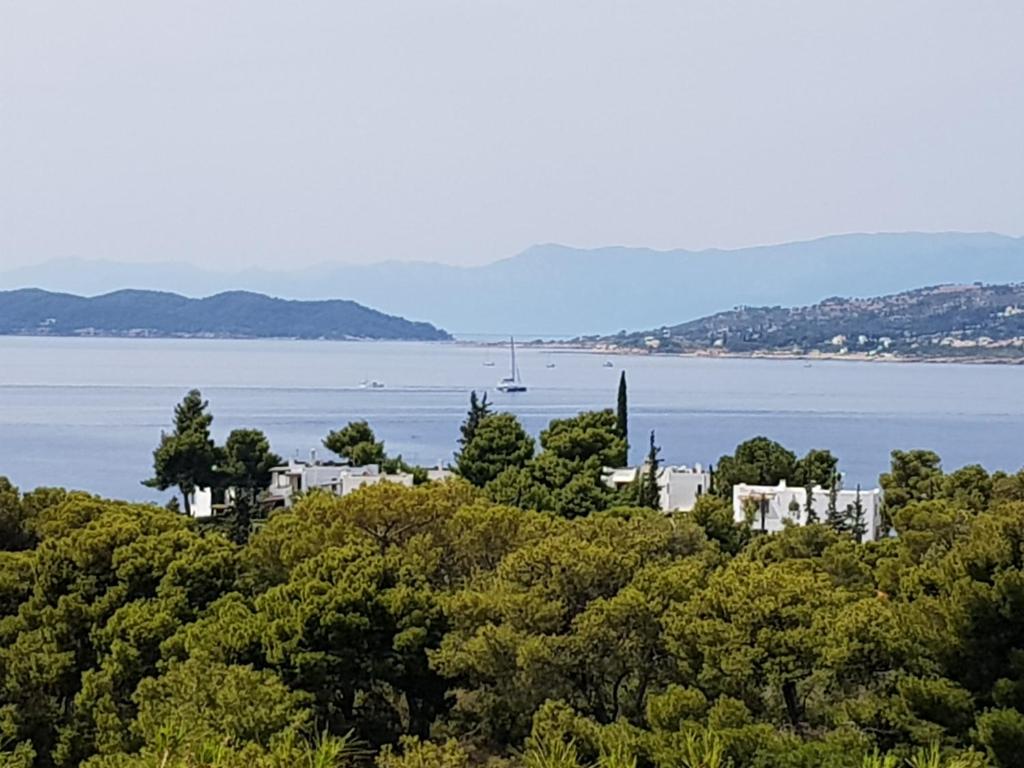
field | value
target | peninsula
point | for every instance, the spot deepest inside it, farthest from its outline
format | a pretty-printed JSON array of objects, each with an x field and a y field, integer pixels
[
  {"x": 236, "y": 314},
  {"x": 981, "y": 323}
]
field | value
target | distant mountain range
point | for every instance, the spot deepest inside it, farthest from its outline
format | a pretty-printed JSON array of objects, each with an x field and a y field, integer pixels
[
  {"x": 553, "y": 290},
  {"x": 236, "y": 315},
  {"x": 946, "y": 321}
]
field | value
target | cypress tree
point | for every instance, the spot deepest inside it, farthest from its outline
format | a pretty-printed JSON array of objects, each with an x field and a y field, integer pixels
[
  {"x": 835, "y": 519},
  {"x": 648, "y": 493},
  {"x": 812, "y": 516},
  {"x": 622, "y": 415},
  {"x": 858, "y": 525}
]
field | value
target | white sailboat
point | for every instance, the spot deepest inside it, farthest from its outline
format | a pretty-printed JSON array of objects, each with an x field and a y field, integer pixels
[{"x": 512, "y": 382}]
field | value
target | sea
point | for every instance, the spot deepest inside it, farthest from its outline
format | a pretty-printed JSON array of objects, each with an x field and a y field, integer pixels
[{"x": 86, "y": 413}]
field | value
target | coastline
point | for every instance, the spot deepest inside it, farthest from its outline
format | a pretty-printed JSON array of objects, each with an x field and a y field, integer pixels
[
  {"x": 851, "y": 357},
  {"x": 567, "y": 347}
]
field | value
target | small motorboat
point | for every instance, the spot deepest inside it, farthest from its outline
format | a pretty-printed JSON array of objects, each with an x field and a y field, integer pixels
[
  {"x": 489, "y": 364},
  {"x": 550, "y": 365},
  {"x": 371, "y": 384},
  {"x": 608, "y": 364}
]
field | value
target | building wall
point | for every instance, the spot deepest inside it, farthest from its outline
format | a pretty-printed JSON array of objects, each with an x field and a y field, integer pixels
[
  {"x": 680, "y": 489},
  {"x": 351, "y": 483},
  {"x": 204, "y": 501},
  {"x": 201, "y": 502},
  {"x": 778, "y": 501}
]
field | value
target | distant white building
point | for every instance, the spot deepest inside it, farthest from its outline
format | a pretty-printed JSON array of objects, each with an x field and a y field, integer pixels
[
  {"x": 680, "y": 487},
  {"x": 206, "y": 502},
  {"x": 360, "y": 477},
  {"x": 769, "y": 508},
  {"x": 296, "y": 477}
]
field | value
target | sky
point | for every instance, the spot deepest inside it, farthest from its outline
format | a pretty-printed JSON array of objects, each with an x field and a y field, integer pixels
[{"x": 256, "y": 133}]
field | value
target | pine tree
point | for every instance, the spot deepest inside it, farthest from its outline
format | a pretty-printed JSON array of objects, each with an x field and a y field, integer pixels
[
  {"x": 191, "y": 414},
  {"x": 479, "y": 408},
  {"x": 622, "y": 416},
  {"x": 185, "y": 458}
]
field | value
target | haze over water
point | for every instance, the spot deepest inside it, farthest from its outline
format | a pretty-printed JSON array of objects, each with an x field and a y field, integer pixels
[{"x": 86, "y": 413}]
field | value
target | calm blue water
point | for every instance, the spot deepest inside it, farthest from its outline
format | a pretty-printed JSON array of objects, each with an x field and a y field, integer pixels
[{"x": 86, "y": 413}]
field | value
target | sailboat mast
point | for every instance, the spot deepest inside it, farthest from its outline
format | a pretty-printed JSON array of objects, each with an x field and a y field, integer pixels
[{"x": 513, "y": 374}]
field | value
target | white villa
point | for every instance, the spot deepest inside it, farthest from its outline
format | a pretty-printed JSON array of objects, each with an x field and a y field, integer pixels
[
  {"x": 680, "y": 486},
  {"x": 768, "y": 508},
  {"x": 295, "y": 477}
]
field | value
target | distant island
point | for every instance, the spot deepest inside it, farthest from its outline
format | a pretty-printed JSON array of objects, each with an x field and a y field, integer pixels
[
  {"x": 235, "y": 314},
  {"x": 946, "y": 322},
  {"x": 560, "y": 291}
]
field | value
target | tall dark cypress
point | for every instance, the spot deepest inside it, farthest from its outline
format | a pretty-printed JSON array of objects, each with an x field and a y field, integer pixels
[
  {"x": 648, "y": 493},
  {"x": 622, "y": 416},
  {"x": 836, "y": 518},
  {"x": 857, "y": 524}
]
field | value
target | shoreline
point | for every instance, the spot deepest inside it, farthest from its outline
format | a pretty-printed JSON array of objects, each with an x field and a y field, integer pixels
[
  {"x": 568, "y": 347},
  {"x": 855, "y": 357}
]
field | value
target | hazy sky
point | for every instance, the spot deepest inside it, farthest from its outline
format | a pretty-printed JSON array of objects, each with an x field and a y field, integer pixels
[{"x": 260, "y": 132}]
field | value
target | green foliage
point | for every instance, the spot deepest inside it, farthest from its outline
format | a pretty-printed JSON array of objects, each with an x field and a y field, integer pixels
[
  {"x": 551, "y": 753},
  {"x": 1001, "y": 732},
  {"x": 914, "y": 476},
  {"x": 647, "y": 492},
  {"x": 247, "y": 464},
  {"x": 357, "y": 443},
  {"x": 969, "y": 488},
  {"x": 235, "y": 705},
  {"x": 933, "y": 756},
  {"x": 818, "y": 467},
  {"x": 1007, "y": 488},
  {"x": 499, "y": 442},
  {"x": 177, "y": 749},
  {"x": 715, "y": 516},
  {"x": 759, "y": 461},
  {"x": 528, "y": 622},
  {"x": 424, "y": 754},
  {"x": 622, "y": 418},
  {"x": 703, "y": 749},
  {"x": 479, "y": 408},
  {"x": 565, "y": 478},
  {"x": 13, "y": 524},
  {"x": 835, "y": 518},
  {"x": 185, "y": 458},
  {"x": 589, "y": 435}
]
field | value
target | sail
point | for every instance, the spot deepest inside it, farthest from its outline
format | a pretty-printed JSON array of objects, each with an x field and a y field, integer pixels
[{"x": 512, "y": 382}]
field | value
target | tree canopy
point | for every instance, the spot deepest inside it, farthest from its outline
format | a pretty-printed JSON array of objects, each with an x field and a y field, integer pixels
[
  {"x": 498, "y": 442},
  {"x": 435, "y": 623},
  {"x": 186, "y": 458},
  {"x": 357, "y": 443},
  {"x": 522, "y": 615}
]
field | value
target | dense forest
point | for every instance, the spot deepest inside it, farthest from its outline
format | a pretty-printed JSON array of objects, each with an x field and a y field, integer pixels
[
  {"x": 235, "y": 314},
  {"x": 946, "y": 321},
  {"x": 443, "y": 626}
]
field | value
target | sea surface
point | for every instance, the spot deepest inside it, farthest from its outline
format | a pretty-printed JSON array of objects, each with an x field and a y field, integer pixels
[{"x": 87, "y": 413}]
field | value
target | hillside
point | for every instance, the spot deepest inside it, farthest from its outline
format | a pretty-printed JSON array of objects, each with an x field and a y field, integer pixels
[
  {"x": 946, "y": 321},
  {"x": 236, "y": 315},
  {"x": 555, "y": 290}
]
